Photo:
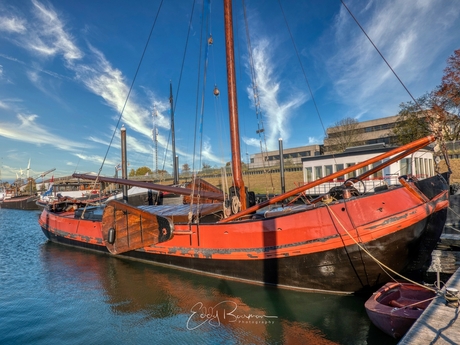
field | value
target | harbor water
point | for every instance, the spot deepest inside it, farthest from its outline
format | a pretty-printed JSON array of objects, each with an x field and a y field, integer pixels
[{"x": 54, "y": 294}]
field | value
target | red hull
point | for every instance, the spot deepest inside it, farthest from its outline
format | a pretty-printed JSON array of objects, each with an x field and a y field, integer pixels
[
  {"x": 396, "y": 306},
  {"x": 305, "y": 247}
]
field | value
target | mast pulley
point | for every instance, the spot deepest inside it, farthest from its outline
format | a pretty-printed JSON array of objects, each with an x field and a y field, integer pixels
[{"x": 216, "y": 91}]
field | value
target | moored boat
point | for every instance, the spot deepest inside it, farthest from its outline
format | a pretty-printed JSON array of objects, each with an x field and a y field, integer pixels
[
  {"x": 396, "y": 306},
  {"x": 2, "y": 192},
  {"x": 73, "y": 189},
  {"x": 22, "y": 202},
  {"x": 335, "y": 243}
]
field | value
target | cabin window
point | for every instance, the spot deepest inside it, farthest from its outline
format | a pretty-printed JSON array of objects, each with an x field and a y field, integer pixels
[
  {"x": 417, "y": 167},
  {"x": 318, "y": 172},
  {"x": 309, "y": 174},
  {"x": 339, "y": 167},
  {"x": 378, "y": 174},
  {"x": 328, "y": 169},
  {"x": 404, "y": 166},
  {"x": 353, "y": 173},
  {"x": 363, "y": 169}
]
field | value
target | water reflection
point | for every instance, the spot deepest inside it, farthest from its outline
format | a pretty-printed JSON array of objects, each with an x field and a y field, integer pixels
[{"x": 213, "y": 310}]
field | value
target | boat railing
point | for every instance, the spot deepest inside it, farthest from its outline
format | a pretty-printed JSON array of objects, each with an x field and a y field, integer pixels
[{"x": 370, "y": 184}]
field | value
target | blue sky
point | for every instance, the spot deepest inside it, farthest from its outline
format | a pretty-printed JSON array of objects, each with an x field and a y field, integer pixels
[{"x": 66, "y": 68}]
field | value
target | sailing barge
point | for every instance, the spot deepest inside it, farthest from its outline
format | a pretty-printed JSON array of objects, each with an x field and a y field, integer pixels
[{"x": 336, "y": 243}]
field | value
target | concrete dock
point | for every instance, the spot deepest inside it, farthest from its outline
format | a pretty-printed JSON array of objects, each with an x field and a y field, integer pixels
[{"x": 440, "y": 322}]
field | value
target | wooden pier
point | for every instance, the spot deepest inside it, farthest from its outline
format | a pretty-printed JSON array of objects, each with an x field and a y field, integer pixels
[{"x": 440, "y": 322}]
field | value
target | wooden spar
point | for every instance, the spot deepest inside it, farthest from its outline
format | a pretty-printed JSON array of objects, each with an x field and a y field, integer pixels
[
  {"x": 405, "y": 149},
  {"x": 233, "y": 105},
  {"x": 153, "y": 186},
  {"x": 126, "y": 228}
]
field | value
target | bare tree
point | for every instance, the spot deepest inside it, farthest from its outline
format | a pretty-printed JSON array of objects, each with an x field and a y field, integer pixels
[
  {"x": 186, "y": 169},
  {"x": 343, "y": 134}
]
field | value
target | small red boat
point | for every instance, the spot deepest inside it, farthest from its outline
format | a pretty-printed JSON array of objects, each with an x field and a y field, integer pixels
[{"x": 396, "y": 306}]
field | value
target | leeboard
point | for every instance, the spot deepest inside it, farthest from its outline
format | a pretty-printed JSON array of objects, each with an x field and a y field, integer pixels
[{"x": 126, "y": 228}]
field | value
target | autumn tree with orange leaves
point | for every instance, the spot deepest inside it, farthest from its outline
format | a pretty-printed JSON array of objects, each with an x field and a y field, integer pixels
[
  {"x": 449, "y": 90},
  {"x": 436, "y": 112}
]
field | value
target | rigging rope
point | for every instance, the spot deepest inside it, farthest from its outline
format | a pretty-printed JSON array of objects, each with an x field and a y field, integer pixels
[
  {"x": 127, "y": 96},
  {"x": 180, "y": 74},
  {"x": 260, "y": 124},
  {"x": 305, "y": 76},
  {"x": 384, "y": 267},
  {"x": 434, "y": 124}
]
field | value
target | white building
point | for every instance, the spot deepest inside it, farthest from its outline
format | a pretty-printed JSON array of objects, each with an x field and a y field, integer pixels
[{"x": 420, "y": 164}]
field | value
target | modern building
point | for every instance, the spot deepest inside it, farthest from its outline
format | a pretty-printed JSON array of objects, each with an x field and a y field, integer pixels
[
  {"x": 364, "y": 133},
  {"x": 291, "y": 156}
]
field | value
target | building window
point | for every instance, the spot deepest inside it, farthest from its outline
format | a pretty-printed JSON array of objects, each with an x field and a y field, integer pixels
[
  {"x": 417, "y": 167},
  {"x": 378, "y": 174},
  {"x": 309, "y": 174},
  {"x": 339, "y": 167},
  {"x": 318, "y": 172},
  {"x": 353, "y": 173},
  {"x": 327, "y": 170},
  {"x": 363, "y": 170},
  {"x": 404, "y": 166}
]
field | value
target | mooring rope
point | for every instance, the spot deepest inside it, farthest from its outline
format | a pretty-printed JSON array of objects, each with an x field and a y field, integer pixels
[{"x": 381, "y": 264}]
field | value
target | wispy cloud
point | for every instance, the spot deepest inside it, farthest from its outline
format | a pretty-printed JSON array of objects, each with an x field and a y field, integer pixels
[
  {"x": 28, "y": 130},
  {"x": 93, "y": 158},
  {"x": 104, "y": 80},
  {"x": 399, "y": 29},
  {"x": 12, "y": 24},
  {"x": 48, "y": 35},
  {"x": 278, "y": 107}
]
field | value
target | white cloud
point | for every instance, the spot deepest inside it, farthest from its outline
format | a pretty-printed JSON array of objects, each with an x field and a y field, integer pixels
[
  {"x": 412, "y": 37},
  {"x": 315, "y": 141},
  {"x": 50, "y": 38},
  {"x": 277, "y": 111},
  {"x": 251, "y": 142},
  {"x": 12, "y": 24},
  {"x": 30, "y": 131},
  {"x": 94, "y": 158}
]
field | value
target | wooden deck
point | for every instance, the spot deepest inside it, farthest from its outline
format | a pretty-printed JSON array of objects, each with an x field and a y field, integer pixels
[{"x": 439, "y": 323}]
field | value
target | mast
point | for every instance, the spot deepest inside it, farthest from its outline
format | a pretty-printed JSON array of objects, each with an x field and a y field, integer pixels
[
  {"x": 233, "y": 105},
  {"x": 155, "y": 140},
  {"x": 173, "y": 135},
  {"x": 124, "y": 163}
]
